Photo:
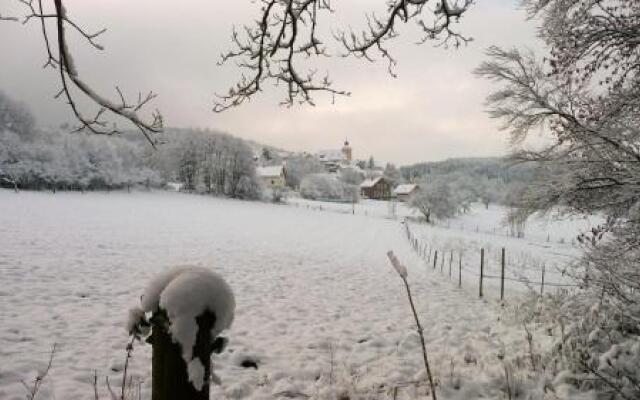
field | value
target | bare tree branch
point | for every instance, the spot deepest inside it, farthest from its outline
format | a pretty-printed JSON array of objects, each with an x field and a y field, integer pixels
[
  {"x": 275, "y": 46},
  {"x": 61, "y": 58}
]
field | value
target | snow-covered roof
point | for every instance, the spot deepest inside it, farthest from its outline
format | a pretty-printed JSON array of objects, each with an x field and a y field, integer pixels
[
  {"x": 270, "y": 172},
  {"x": 367, "y": 183},
  {"x": 406, "y": 188},
  {"x": 331, "y": 155}
]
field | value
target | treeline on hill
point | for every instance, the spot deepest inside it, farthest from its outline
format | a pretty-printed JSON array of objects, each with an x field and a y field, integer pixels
[
  {"x": 208, "y": 161},
  {"x": 450, "y": 187},
  {"x": 490, "y": 179},
  {"x": 49, "y": 159}
]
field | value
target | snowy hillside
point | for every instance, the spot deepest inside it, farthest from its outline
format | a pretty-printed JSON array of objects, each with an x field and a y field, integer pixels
[{"x": 319, "y": 309}]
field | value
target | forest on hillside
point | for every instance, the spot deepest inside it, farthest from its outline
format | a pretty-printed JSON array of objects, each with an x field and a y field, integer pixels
[{"x": 38, "y": 158}]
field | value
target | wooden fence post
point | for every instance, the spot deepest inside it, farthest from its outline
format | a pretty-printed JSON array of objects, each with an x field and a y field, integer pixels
[
  {"x": 481, "y": 269},
  {"x": 460, "y": 271},
  {"x": 435, "y": 259},
  {"x": 450, "y": 261},
  {"x": 502, "y": 276},
  {"x": 170, "y": 379},
  {"x": 542, "y": 282}
]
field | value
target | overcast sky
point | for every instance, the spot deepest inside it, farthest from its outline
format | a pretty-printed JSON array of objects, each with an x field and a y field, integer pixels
[{"x": 432, "y": 111}]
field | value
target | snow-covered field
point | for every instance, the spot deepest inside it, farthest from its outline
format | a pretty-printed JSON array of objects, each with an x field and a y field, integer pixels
[
  {"x": 319, "y": 309},
  {"x": 549, "y": 243}
]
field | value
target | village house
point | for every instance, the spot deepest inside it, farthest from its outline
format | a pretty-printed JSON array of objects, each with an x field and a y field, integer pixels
[
  {"x": 272, "y": 177},
  {"x": 377, "y": 188},
  {"x": 335, "y": 159},
  {"x": 405, "y": 191}
]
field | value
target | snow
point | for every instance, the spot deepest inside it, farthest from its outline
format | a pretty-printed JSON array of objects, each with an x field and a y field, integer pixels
[
  {"x": 331, "y": 155},
  {"x": 136, "y": 315},
  {"x": 367, "y": 183},
  {"x": 188, "y": 294},
  {"x": 319, "y": 310},
  {"x": 405, "y": 188},
  {"x": 195, "y": 371}
]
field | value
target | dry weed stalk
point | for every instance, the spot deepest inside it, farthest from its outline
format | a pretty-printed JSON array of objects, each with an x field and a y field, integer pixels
[
  {"x": 37, "y": 384},
  {"x": 402, "y": 272}
]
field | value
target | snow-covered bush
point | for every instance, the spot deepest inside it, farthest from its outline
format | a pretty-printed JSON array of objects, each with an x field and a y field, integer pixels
[
  {"x": 596, "y": 345},
  {"x": 326, "y": 187}
]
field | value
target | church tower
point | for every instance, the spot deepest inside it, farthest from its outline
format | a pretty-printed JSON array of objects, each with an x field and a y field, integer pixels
[{"x": 346, "y": 151}]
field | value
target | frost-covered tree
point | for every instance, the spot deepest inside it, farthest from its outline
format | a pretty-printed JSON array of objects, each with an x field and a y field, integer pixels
[
  {"x": 351, "y": 176},
  {"x": 325, "y": 186},
  {"x": 489, "y": 191},
  {"x": 16, "y": 117},
  {"x": 300, "y": 166},
  {"x": 55, "y": 160},
  {"x": 585, "y": 95},
  {"x": 371, "y": 164},
  {"x": 209, "y": 161},
  {"x": 435, "y": 199},
  {"x": 392, "y": 174}
]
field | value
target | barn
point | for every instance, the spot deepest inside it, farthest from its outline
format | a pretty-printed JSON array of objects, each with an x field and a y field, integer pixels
[{"x": 378, "y": 188}]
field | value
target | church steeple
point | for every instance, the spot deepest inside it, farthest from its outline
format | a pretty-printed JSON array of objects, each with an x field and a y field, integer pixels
[{"x": 346, "y": 150}]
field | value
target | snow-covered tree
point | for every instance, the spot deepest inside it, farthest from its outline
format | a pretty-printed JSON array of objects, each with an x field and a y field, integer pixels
[
  {"x": 585, "y": 95},
  {"x": 392, "y": 174},
  {"x": 300, "y": 166},
  {"x": 435, "y": 199},
  {"x": 16, "y": 117},
  {"x": 351, "y": 176},
  {"x": 325, "y": 186}
]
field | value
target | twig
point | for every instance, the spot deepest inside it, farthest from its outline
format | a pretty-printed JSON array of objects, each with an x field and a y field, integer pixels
[
  {"x": 41, "y": 376},
  {"x": 126, "y": 365}
]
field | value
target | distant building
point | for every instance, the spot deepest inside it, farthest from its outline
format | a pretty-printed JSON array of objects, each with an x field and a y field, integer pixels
[
  {"x": 347, "y": 152},
  {"x": 378, "y": 188},
  {"x": 405, "y": 192},
  {"x": 272, "y": 177},
  {"x": 335, "y": 159}
]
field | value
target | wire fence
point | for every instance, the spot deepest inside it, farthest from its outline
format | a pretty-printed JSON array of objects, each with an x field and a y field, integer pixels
[{"x": 448, "y": 261}]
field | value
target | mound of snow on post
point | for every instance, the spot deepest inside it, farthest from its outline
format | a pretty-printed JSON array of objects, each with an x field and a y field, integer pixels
[{"x": 186, "y": 293}]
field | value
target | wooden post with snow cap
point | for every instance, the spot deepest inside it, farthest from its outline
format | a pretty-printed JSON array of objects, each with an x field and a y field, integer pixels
[{"x": 190, "y": 307}]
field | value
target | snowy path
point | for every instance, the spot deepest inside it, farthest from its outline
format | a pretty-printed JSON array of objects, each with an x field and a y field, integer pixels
[{"x": 311, "y": 287}]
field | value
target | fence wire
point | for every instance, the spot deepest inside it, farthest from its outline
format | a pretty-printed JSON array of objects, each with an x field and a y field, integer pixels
[{"x": 421, "y": 247}]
